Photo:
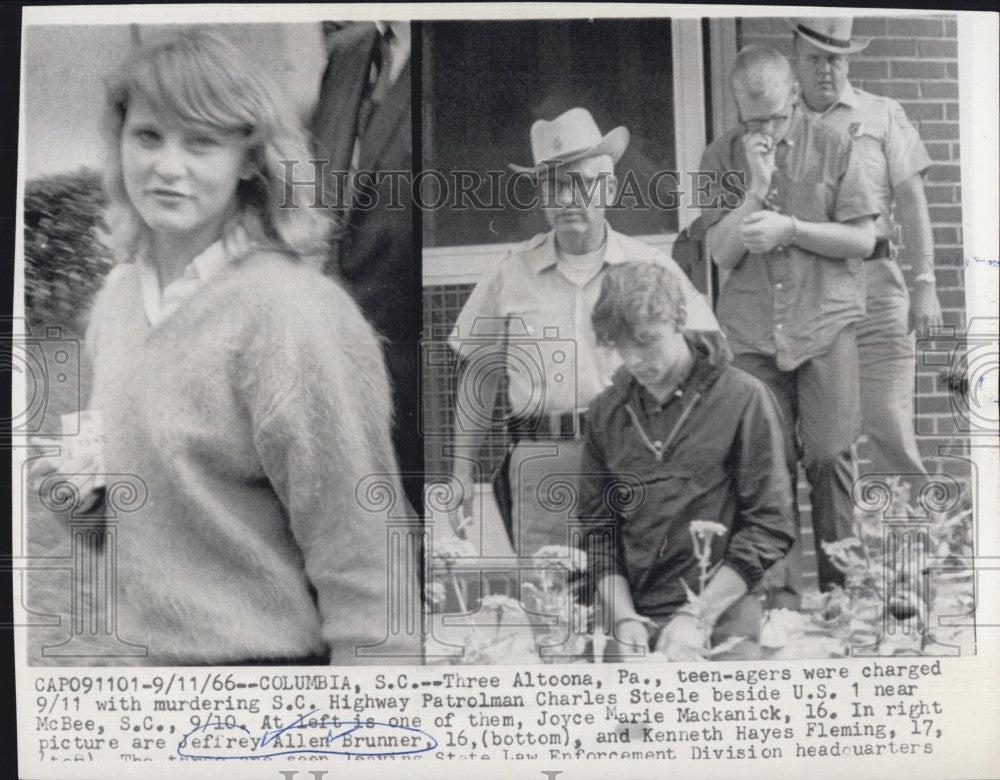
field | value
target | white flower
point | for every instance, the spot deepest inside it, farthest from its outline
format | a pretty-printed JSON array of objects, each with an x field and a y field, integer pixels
[
  {"x": 451, "y": 547},
  {"x": 571, "y": 558},
  {"x": 435, "y": 592},
  {"x": 702, "y": 527},
  {"x": 500, "y": 603}
]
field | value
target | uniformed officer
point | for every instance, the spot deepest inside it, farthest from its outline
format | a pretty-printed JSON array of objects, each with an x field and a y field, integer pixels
[
  {"x": 896, "y": 161},
  {"x": 530, "y": 317}
]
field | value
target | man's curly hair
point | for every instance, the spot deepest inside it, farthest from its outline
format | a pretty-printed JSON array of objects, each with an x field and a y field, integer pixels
[{"x": 635, "y": 295}]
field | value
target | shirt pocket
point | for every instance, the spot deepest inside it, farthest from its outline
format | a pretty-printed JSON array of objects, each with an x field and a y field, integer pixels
[
  {"x": 525, "y": 323},
  {"x": 529, "y": 323},
  {"x": 745, "y": 310}
]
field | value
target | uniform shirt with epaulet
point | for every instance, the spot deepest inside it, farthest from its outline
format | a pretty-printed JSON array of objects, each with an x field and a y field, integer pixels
[
  {"x": 789, "y": 302},
  {"x": 888, "y": 143}
]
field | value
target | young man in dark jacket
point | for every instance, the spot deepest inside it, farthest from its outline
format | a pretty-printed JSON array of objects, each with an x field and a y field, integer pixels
[{"x": 679, "y": 437}]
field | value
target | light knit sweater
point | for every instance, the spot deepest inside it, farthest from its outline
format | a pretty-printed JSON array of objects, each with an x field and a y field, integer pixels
[{"x": 252, "y": 413}]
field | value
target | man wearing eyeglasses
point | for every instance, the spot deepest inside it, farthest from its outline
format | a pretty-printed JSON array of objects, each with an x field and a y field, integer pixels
[
  {"x": 791, "y": 299},
  {"x": 897, "y": 161}
]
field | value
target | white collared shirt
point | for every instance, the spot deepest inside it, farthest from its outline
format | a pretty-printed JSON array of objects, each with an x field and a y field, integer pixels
[{"x": 161, "y": 302}]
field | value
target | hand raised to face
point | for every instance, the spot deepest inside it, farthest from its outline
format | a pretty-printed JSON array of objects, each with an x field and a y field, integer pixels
[{"x": 760, "y": 152}]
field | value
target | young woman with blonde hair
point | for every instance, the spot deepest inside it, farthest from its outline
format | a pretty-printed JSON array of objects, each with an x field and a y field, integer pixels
[{"x": 241, "y": 385}]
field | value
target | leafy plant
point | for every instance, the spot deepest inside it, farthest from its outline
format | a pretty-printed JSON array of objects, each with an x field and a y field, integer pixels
[
  {"x": 889, "y": 587},
  {"x": 490, "y": 643},
  {"x": 65, "y": 261},
  {"x": 702, "y": 533},
  {"x": 554, "y": 593},
  {"x": 551, "y": 605},
  {"x": 446, "y": 553},
  {"x": 879, "y": 592}
]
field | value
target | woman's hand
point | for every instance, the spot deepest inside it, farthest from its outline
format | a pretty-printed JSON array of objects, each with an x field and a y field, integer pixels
[
  {"x": 682, "y": 639},
  {"x": 80, "y": 469}
]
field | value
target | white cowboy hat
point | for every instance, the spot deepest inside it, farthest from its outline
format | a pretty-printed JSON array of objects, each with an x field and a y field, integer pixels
[
  {"x": 829, "y": 33},
  {"x": 570, "y": 137}
]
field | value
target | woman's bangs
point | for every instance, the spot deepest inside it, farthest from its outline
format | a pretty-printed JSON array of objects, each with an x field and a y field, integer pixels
[{"x": 199, "y": 92}]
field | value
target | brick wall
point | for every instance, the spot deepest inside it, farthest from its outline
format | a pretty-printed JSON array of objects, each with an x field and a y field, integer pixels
[{"x": 914, "y": 60}]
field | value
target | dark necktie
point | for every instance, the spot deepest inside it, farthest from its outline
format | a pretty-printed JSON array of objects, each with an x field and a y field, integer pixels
[{"x": 382, "y": 62}]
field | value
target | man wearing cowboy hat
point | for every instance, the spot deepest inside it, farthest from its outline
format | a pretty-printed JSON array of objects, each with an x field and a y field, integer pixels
[
  {"x": 792, "y": 297},
  {"x": 896, "y": 161},
  {"x": 531, "y": 314}
]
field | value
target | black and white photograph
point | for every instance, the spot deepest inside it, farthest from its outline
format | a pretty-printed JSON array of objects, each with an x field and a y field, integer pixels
[
  {"x": 698, "y": 462},
  {"x": 620, "y": 382},
  {"x": 242, "y": 356}
]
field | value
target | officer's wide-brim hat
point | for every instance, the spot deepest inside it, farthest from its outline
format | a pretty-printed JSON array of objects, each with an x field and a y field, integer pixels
[
  {"x": 829, "y": 33},
  {"x": 570, "y": 137}
]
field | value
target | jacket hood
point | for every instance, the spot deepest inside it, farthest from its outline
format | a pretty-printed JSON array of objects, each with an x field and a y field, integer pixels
[{"x": 711, "y": 352}]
